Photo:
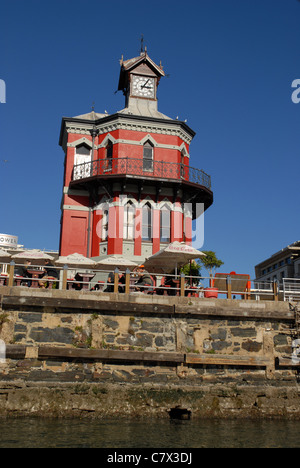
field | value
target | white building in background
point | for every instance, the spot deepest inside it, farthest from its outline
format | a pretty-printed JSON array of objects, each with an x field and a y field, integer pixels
[
  {"x": 8, "y": 241},
  {"x": 282, "y": 264}
]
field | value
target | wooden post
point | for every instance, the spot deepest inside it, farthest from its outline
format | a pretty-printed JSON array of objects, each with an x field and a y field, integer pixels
[
  {"x": 11, "y": 274},
  {"x": 275, "y": 290},
  {"x": 229, "y": 287},
  {"x": 182, "y": 284},
  {"x": 127, "y": 281},
  {"x": 116, "y": 280},
  {"x": 65, "y": 277}
]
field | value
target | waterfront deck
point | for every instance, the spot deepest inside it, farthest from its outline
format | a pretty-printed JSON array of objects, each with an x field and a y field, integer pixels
[{"x": 230, "y": 286}]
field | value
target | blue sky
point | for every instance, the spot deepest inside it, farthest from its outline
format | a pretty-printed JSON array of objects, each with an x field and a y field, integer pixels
[{"x": 230, "y": 63}]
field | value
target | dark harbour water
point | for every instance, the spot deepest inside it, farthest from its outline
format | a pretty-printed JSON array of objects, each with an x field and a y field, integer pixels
[{"x": 150, "y": 434}]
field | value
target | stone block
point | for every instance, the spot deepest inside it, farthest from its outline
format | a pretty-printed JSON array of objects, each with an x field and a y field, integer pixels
[
  {"x": 30, "y": 317},
  {"x": 52, "y": 335},
  {"x": 244, "y": 332}
]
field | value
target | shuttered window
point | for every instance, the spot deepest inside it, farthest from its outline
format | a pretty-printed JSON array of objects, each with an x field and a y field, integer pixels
[
  {"x": 148, "y": 157},
  {"x": 129, "y": 221},
  {"x": 147, "y": 223},
  {"x": 165, "y": 224}
]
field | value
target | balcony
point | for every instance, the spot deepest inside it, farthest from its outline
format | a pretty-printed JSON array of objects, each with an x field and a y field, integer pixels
[{"x": 140, "y": 169}]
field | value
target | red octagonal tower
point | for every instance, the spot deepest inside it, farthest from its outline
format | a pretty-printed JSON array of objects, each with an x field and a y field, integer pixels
[{"x": 127, "y": 175}]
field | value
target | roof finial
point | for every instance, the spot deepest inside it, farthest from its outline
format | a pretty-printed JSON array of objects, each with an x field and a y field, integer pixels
[{"x": 93, "y": 106}]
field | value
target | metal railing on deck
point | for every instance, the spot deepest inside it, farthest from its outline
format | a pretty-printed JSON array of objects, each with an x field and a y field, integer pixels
[
  {"x": 167, "y": 285},
  {"x": 143, "y": 168},
  {"x": 291, "y": 289}
]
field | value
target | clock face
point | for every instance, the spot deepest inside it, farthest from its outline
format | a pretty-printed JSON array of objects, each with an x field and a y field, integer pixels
[{"x": 143, "y": 86}]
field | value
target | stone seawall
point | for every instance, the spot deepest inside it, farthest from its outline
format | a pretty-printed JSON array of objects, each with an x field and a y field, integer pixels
[{"x": 73, "y": 353}]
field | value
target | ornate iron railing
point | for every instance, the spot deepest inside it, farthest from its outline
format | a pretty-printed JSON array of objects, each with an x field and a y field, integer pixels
[{"x": 141, "y": 168}]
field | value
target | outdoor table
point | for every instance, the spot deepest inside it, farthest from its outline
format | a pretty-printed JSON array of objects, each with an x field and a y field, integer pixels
[
  {"x": 70, "y": 282},
  {"x": 18, "y": 279},
  {"x": 84, "y": 278},
  {"x": 51, "y": 280},
  {"x": 3, "y": 279},
  {"x": 36, "y": 274},
  {"x": 132, "y": 281},
  {"x": 99, "y": 286}
]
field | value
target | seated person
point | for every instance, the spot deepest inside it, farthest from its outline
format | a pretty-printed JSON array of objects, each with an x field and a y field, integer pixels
[
  {"x": 22, "y": 271},
  {"x": 110, "y": 283},
  {"x": 145, "y": 282},
  {"x": 169, "y": 282},
  {"x": 49, "y": 272},
  {"x": 167, "y": 286},
  {"x": 122, "y": 280}
]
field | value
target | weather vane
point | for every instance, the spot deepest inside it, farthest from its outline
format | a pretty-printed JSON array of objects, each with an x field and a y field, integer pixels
[{"x": 143, "y": 47}]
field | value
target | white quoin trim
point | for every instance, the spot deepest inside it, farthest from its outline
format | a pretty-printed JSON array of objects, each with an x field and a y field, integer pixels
[
  {"x": 148, "y": 138},
  {"x": 106, "y": 140},
  {"x": 81, "y": 141},
  {"x": 182, "y": 149}
]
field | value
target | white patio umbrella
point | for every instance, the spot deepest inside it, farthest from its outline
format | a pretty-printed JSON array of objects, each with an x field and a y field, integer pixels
[
  {"x": 34, "y": 255},
  {"x": 76, "y": 260},
  {"x": 116, "y": 261},
  {"x": 4, "y": 256},
  {"x": 175, "y": 255}
]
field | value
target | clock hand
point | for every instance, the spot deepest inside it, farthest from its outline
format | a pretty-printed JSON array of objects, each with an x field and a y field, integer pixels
[{"x": 144, "y": 85}]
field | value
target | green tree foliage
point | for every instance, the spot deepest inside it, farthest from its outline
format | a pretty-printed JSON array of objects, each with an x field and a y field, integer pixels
[
  {"x": 210, "y": 262},
  {"x": 193, "y": 270}
]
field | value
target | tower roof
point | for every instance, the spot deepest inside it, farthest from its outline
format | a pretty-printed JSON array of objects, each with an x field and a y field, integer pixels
[
  {"x": 90, "y": 116},
  {"x": 143, "y": 109},
  {"x": 143, "y": 62}
]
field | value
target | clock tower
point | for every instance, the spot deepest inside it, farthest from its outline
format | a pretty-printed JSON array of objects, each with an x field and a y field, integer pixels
[
  {"x": 139, "y": 79},
  {"x": 127, "y": 175}
]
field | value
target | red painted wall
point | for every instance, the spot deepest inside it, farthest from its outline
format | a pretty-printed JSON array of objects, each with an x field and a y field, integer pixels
[{"x": 74, "y": 228}]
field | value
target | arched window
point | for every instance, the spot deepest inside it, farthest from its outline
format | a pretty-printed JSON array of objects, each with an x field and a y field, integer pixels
[
  {"x": 147, "y": 222},
  {"x": 83, "y": 150},
  {"x": 148, "y": 157},
  {"x": 182, "y": 167},
  {"x": 82, "y": 162},
  {"x": 108, "y": 155},
  {"x": 129, "y": 221},
  {"x": 104, "y": 234},
  {"x": 165, "y": 224}
]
